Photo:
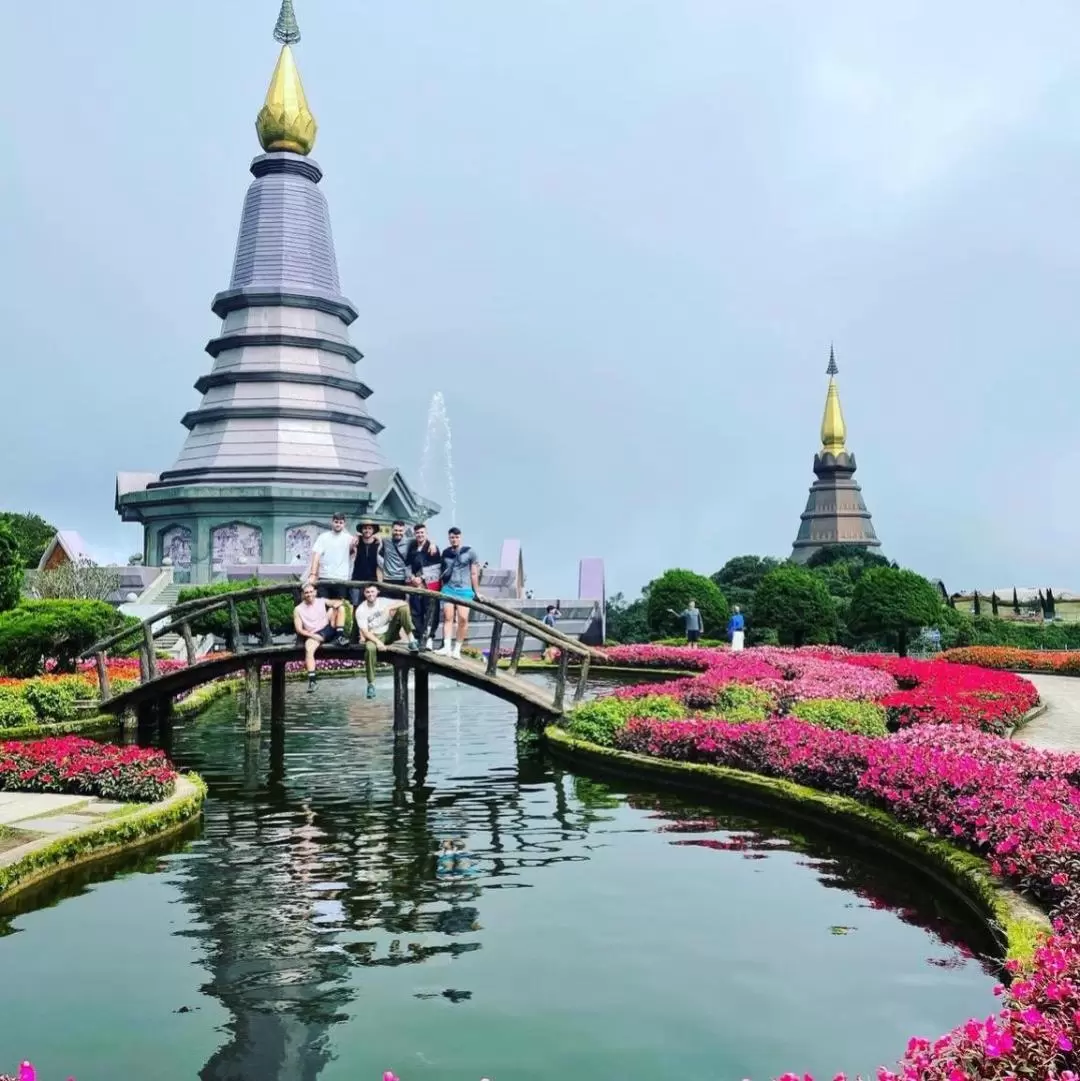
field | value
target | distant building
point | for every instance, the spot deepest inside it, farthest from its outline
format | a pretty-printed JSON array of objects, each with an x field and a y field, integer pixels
[
  {"x": 282, "y": 437},
  {"x": 835, "y": 512}
]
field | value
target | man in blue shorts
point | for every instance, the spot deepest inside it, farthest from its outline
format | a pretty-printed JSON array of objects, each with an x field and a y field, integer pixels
[{"x": 460, "y": 581}]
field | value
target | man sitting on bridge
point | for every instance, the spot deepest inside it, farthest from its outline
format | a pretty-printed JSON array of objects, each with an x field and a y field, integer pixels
[
  {"x": 382, "y": 621},
  {"x": 313, "y": 627}
]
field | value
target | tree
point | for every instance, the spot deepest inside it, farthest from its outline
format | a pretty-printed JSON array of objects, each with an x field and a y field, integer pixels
[
  {"x": 627, "y": 621},
  {"x": 795, "y": 601},
  {"x": 845, "y": 553},
  {"x": 739, "y": 577},
  {"x": 32, "y": 535},
  {"x": 11, "y": 570},
  {"x": 1051, "y": 611},
  {"x": 37, "y": 631},
  {"x": 670, "y": 593},
  {"x": 894, "y": 602},
  {"x": 82, "y": 580},
  {"x": 977, "y": 609},
  {"x": 994, "y": 604},
  {"x": 1016, "y": 602}
]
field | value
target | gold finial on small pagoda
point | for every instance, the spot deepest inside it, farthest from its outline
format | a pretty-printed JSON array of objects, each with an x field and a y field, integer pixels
[
  {"x": 833, "y": 430},
  {"x": 285, "y": 121}
]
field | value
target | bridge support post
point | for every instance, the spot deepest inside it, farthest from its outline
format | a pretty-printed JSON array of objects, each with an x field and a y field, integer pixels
[
  {"x": 129, "y": 720},
  {"x": 252, "y": 704},
  {"x": 401, "y": 698},
  {"x": 277, "y": 693},
  {"x": 420, "y": 703}
]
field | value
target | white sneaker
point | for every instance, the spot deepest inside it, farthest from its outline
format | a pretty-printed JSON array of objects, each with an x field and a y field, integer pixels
[
  {"x": 446, "y": 651},
  {"x": 429, "y": 644},
  {"x": 455, "y": 650}
]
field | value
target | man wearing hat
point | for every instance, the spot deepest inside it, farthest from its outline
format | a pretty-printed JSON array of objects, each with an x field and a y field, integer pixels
[{"x": 367, "y": 565}]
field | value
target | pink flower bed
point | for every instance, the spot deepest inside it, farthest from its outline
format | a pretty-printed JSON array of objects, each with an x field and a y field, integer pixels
[{"x": 911, "y": 691}]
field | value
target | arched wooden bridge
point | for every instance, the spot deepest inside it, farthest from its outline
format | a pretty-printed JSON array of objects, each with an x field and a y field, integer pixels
[{"x": 157, "y": 688}]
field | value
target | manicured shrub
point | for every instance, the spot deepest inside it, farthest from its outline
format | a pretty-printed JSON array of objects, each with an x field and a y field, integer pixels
[
  {"x": 52, "y": 700},
  {"x": 797, "y": 604},
  {"x": 894, "y": 602},
  {"x": 1063, "y": 662},
  {"x": 83, "y": 768},
  {"x": 735, "y": 702},
  {"x": 11, "y": 569},
  {"x": 279, "y": 608},
  {"x": 599, "y": 720},
  {"x": 669, "y": 594},
  {"x": 39, "y": 631},
  {"x": 15, "y": 711},
  {"x": 864, "y": 717}
]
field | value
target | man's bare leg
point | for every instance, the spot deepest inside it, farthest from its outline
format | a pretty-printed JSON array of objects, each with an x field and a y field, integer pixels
[
  {"x": 448, "y": 629},
  {"x": 462, "y": 628},
  {"x": 310, "y": 646}
]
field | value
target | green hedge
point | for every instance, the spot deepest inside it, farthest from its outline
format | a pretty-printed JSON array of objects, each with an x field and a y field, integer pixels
[
  {"x": 58, "y": 630},
  {"x": 279, "y": 607},
  {"x": 15, "y": 711},
  {"x": 599, "y": 720},
  {"x": 865, "y": 718}
]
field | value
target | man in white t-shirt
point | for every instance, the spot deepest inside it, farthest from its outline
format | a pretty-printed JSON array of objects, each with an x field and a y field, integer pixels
[
  {"x": 382, "y": 621},
  {"x": 331, "y": 561}
]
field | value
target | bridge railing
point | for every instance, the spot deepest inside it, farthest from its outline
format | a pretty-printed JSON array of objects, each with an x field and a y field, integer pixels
[{"x": 180, "y": 619}]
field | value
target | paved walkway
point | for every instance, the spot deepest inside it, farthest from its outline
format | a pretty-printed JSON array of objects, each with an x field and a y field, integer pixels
[
  {"x": 1058, "y": 728},
  {"x": 26, "y": 817}
]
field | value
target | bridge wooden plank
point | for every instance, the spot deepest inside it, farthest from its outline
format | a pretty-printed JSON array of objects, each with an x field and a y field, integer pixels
[{"x": 510, "y": 688}]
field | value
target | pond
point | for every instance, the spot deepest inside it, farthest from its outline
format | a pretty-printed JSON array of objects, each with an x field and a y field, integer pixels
[{"x": 305, "y": 929}]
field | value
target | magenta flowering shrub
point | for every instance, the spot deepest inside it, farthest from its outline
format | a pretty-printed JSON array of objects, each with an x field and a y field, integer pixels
[{"x": 911, "y": 691}]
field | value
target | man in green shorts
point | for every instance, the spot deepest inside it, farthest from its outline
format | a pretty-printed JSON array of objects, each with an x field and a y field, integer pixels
[{"x": 380, "y": 622}]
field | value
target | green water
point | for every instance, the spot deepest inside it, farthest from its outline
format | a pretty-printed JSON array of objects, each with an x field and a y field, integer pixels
[{"x": 304, "y": 930}]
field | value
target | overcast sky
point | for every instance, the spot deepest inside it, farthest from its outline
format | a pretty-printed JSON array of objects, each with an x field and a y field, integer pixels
[{"x": 618, "y": 235}]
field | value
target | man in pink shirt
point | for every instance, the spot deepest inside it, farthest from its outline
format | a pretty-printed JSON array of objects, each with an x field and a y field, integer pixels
[{"x": 313, "y": 627}]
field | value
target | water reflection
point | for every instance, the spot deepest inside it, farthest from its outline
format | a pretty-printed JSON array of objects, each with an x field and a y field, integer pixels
[{"x": 317, "y": 874}]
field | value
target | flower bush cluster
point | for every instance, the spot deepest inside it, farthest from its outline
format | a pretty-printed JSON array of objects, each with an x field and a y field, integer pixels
[
  {"x": 81, "y": 767},
  {"x": 910, "y": 691},
  {"x": 1059, "y": 661}
]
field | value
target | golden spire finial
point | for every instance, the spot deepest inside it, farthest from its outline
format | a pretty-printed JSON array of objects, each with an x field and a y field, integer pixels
[
  {"x": 285, "y": 121},
  {"x": 833, "y": 430}
]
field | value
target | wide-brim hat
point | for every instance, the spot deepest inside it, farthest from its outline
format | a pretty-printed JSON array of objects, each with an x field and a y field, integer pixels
[{"x": 367, "y": 521}]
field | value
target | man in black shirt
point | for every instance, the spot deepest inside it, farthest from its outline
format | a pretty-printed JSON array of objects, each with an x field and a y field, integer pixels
[
  {"x": 424, "y": 561},
  {"x": 366, "y": 565}
]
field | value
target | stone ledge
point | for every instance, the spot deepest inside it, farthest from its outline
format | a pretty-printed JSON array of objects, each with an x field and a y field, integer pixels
[
  {"x": 1015, "y": 922},
  {"x": 38, "y": 859}
]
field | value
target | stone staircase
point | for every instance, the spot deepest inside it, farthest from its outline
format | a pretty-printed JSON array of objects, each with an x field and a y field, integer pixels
[{"x": 169, "y": 596}]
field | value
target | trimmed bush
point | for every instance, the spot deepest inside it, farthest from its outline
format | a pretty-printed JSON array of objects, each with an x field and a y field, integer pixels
[
  {"x": 37, "y": 631},
  {"x": 52, "y": 700},
  {"x": 599, "y": 720},
  {"x": 279, "y": 607},
  {"x": 15, "y": 711},
  {"x": 865, "y": 718}
]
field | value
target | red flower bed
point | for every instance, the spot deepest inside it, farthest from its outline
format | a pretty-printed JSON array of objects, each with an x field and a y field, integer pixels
[
  {"x": 1060, "y": 661},
  {"x": 81, "y": 767}
]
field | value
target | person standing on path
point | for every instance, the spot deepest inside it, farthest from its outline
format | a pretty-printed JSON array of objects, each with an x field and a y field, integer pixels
[
  {"x": 425, "y": 565},
  {"x": 367, "y": 566},
  {"x": 329, "y": 571},
  {"x": 382, "y": 621},
  {"x": 551, "y": 616},
  {"x": 311, "y": 621},
  {"x": 460, "y": 581},
  {"x": 736, "y": 629},
  {"x": 692, "y": 622}
]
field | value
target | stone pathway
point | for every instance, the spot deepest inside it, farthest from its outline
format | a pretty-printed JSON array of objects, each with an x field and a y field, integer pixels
[
  {"x": 1058, "y": 728},
  {"x": 27, "y": 817}
]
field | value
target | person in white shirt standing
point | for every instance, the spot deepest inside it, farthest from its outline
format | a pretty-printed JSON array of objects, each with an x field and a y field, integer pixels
[
  {"x": 331, "y": 561},
  {"x": 382, "y": 621}
]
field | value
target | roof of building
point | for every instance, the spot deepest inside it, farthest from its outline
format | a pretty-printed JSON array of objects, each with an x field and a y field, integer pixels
[{"x": 72, "y": 545}]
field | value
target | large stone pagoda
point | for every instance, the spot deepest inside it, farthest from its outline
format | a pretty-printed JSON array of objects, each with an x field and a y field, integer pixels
[
  {"x": 282, "y": 436},
  {"x": 835, "y": 512}
]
